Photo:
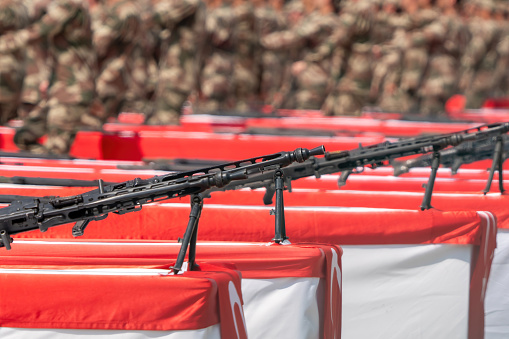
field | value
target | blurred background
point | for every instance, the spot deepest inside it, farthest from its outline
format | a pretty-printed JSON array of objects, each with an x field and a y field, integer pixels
[{"x": 67, "y": 65}]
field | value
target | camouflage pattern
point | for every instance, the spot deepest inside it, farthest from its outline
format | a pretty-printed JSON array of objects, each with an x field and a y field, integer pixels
[
  {"x": 36, "y": 67},
  {"x": 182, "y": 29},
  {"x": 351, "y": 90},
  {"x": 416, "y": 57},
  {"x": 246, "y": 54},
  {"x": 446, "y": 41},
  {"x": 272, "y": 64},
  {"x": 218, "y": 64},
  {"x": 311, "y": 72},
  {"x": 385, "y": 90},
  {"x": 13, "y": 17},
  {"x": 117, "y": 30},
  {"x": 66, "y": 27},
  {"x": 480, "y": 59}
]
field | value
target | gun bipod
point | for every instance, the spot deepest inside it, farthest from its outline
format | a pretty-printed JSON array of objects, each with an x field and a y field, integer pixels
[
  {"x": 190, "y": 236},
  {"x": 279, "y": 211},
  {"x": 435, "y": 163},
  {"x": 496, "y": 165}
]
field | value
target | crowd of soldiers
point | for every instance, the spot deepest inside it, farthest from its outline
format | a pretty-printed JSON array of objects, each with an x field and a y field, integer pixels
[{"x": 72, "y": 64}]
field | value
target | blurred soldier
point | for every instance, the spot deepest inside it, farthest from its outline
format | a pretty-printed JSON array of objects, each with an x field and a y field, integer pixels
[
  {"x": 182, "y": 23},
  {"x": 500, "y": 83},
  {"x": 13, "y": 17},
  {"x": 144, "y": 59},
  {"x": 246, "y": 73},
  {"x": 270, "y": 18},
  {"x": 117, "y": 29},
  {"x": 446, "y": 40},
  {"x": 385, "y": 91},
  {"x": 415, "y": 47},
  {"x": 310, "y": 73},
  {"x": 216, "y": 86},
  {"x": 37, "y": 70},
  {"x": 480, "y": 58},
  {"x": 67, "y": 29},
  {"x": 354, "y": 70}
]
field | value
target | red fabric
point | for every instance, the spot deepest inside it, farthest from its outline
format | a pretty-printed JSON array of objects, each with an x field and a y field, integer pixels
[
  {"x": 398, "y": 128},
  {"x": 256, "y": 261},
  {"x": 387, "y": 183},
  {"x": 113, "y": 302},
  {"x": 161, "y": 222},
  {"x": 483, "y": 257}
]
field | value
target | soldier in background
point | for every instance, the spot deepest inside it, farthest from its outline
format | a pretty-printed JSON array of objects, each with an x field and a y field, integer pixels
[
  {"x": 37, "y": 70},
  {"x": 415, "y": 48},
  {"x": 246, "y": 72},
  {"x": 270, "y": 18},
  {"x": 310, "y": 73},
  {"x": 354, "y": 70},
  {"x": 480, "y": 58},
  {"x": 182, "y": 24},
  {"x": 500, "y": 82},
  {"x": 385, "y": 89},
  {"x": 446, "y": 39},
  {"x": 66, "y": 27},
  {"x": 13, "y": 17},
  {"x": 117, "y": 28},
  {"x": 215, "y": 79}
]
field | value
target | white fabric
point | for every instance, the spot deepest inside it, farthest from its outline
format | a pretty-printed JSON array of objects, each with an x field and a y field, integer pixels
[
  {"x": 406, "y": 291},
  {"x": 211, "y": 332},
  {"x": 283, "y": 308},
  {"x": 497, "y": 293}
]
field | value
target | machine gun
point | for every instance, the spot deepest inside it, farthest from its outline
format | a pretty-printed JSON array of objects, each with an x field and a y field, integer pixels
[
  {"x": 348, "y": 162},
  {"x": 42, "y": 213},
  {"x": 455, "y": 157}
]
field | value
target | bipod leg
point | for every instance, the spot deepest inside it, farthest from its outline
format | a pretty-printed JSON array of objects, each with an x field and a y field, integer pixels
[
  {"x": 496, "y": 165},
  {"x": 279, "y": 212},
  {"x": 435, "y": 163},
  {"x": 190, "y": 235}
]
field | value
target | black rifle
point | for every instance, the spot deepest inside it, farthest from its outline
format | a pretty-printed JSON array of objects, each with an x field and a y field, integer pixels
[
  {"x": 455, "y": 157},
  {"x": 42, "y": 213}
]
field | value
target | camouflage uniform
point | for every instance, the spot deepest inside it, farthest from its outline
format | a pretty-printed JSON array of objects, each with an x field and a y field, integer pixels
[
  {"x": 117, "y": 28},
  {"x": 246, "y": 54},
  {"x": 216, "y": 86},
  {"x": 354, "y": 70},
  {"x": 479, "y": 61},
  {"x": 272, "y": 63},
  {"x": 500, "y": 83},
  {"x": 71, "y": 93},
  {"x": 311, "y": 83},
  {"x": 385, "y": 91},
  {"x": 182, "y": 23},
  {"x": 37, "y": 70},
  {"x": 446, "y": 39},
  {"x": 415, "y": 58},
  {"x": 13, "y": 16}
]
